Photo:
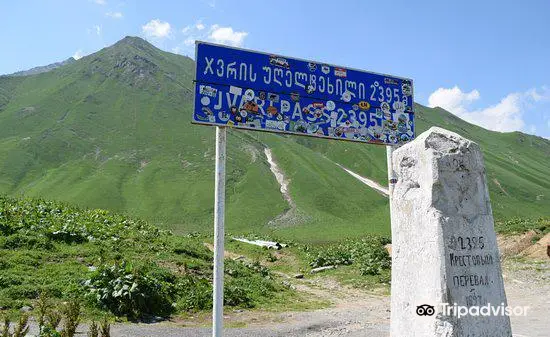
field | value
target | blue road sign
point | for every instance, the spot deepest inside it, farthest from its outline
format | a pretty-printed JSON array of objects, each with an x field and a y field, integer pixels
[{"x": 266, "y": 92}]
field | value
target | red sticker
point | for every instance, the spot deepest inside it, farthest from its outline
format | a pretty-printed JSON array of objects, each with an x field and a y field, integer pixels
[{"x": 340, "y": 72}]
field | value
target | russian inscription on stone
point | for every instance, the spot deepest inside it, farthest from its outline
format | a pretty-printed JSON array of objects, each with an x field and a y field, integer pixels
[{"x": 444, "y": 251}]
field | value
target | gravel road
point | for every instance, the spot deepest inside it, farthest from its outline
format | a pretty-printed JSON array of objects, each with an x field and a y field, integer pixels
[{"x": 356, "y": 313}]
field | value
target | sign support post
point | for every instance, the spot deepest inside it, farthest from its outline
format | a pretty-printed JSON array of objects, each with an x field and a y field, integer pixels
[{"x": 219, "y": 232}]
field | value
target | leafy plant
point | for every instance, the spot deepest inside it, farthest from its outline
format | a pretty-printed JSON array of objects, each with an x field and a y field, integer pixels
[
  {"x": 71, "y": 318},
  {"x": 93, "y": 330},
  {"x": 105, "y": 328},
  {"x": 20, "y": 329},
  {"x": 367, "y": 253},
  {"x": 133, "y": 291}
]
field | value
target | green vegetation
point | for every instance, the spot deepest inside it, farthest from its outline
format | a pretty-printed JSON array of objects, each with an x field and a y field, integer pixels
[
  {"x": 368, "y": 254},
  {"x": 522, "y": 225},
  {"x": 112, "y": 130},
  {"x": 111, "y": 263}
]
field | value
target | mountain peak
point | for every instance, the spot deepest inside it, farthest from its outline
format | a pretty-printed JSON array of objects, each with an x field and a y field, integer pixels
[{"x": 134, "y": 41}]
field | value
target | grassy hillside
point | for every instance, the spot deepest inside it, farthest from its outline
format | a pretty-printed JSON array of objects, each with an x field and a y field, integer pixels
[
  {"x": 113, "y": 131},
  {"x": 113, "y": 263}
]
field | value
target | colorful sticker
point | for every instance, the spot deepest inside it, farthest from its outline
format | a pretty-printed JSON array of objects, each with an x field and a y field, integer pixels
[
  {"x": 272, "y": 110},
  {"x": 277, "y": 125},
  {"x": 262, "y": 95},
  {"x": 340, "y": 72},
  {"x": 249, "y": 94},
  {"x": 398, "y": 106},
  {"x": 251, "y": 107},
  {"x": 312, "y": 66},
  {"x": 285, "y": 106},
  {"x": 406, "y": 88},
  {"x": 208, "y": 90},
  {"x": 318, "y": 113},
  {"x": 346, "y": 96},
  {"x": 385, "y": 106},
  {"x": 205, "y": 100},
  {"x": 391, "y": 81},
  {"x": 295, "y": 97},
  {"x": 207, "y": 111},
  {"x": 318, "y": 105},
  {"x": 273, "y": 97},
  {"x": 330, "y": 105},
  {"x": 235, "y": 90},
  {"x": 325, "y": 69},
  {"x": 279, "y": 62},
  {"x": 364, "y": 105},
  {"x": 310, "y": 89}
]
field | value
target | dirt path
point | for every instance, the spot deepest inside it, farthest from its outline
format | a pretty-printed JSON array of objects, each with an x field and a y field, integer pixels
[
  {"x": 354, "y": 313},
  {"x": 357, "y": 313}
]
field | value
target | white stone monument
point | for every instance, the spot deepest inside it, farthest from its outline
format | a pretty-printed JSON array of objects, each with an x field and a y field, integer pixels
[{"x": 444, "y": 247}]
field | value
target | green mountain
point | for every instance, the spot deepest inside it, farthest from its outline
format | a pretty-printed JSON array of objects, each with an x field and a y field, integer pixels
[{"x": 112, "y": 130}]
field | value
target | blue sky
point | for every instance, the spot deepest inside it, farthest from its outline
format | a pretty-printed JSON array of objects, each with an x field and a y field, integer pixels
[{"x": 486, "y": 61}]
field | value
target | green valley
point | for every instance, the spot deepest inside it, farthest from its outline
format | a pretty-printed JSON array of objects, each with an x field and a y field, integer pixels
[{"x": 112, "y": 130}]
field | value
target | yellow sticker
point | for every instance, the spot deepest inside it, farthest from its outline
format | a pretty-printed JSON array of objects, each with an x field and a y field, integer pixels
[{"x": 364, "y": 105}]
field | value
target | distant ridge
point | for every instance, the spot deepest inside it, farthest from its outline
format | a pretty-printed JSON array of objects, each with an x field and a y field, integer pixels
[{"x": 42, "y": 69}]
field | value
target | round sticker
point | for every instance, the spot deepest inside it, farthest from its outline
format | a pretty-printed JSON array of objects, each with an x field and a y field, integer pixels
[
  {"x": 285, "y": 106},
  {"x": 205, "y": 100},
  {"x": 243, "y": 113},
  {"x": 249, "y": 94},
  {"x": 346, "y": 96},
  {"x": 406, "y": 89},
  {"x": 385, "y": 106},
  {"x": 330, "y": 105}
]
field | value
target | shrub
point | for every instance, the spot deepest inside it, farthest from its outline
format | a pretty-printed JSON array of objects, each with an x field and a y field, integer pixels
[
  {"x": 195, "y": 294},
  {"x": 368, "y": 253},
  {"x": 131, "y": 291}
]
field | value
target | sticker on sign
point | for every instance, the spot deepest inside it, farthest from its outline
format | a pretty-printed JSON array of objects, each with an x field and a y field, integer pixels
[{"x": 266, "y": 92}]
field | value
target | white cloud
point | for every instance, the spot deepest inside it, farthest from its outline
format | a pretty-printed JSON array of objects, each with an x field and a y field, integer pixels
[
  {"x": 452, "y": 99},
  {"x": 78, "y": 54},
  {"x": 214, "y": 33},
  {"x": 226, "y": 35},
  {"x": 97, "y": 30},
  {"x": 504, "y": 116},
  {"x": 156, "y": 29},
  {"x": 100, "y": 2},
  {"x": 186, "y": 29},
  {"x": 189, "y": 41},
  {"x": 114, "y": 15}
]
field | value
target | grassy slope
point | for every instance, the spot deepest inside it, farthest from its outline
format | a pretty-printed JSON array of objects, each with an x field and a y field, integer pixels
[
  {"x": 48, "y": 247},
  {"x": 112, "y": 131}
]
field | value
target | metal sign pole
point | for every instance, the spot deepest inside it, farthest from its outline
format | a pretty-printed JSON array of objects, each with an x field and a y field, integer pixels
[{"x": 219, "y": 210}]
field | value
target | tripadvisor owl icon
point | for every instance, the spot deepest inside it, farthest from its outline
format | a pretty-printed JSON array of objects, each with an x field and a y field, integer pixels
[{"x": 425, "y": 310}]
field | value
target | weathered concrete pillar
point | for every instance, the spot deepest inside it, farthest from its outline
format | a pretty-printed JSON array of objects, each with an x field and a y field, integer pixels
[{"x": 444, "y": 247}]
